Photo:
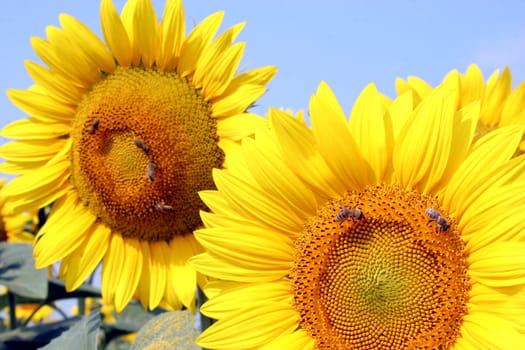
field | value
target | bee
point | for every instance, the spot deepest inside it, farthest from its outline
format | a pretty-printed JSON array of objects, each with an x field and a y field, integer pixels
[
  {"x": 142, "y": 146},
  {"x": 151, "y": 170},
  {"x": 435, "y": 215},
  {"x": 346, "y": 213},
  {"x": 93, "y": 127},
  {"x": 163, "y": 207}
]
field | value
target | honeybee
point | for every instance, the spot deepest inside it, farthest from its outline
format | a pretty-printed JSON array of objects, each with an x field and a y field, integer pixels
[
  {"x": 436, "y": 216},
  {"x": 346, "y": 213},
  {"x": 142, "y": 146},
  {"x": 151, "y": 170},
  {"x": 94, "y": 126},
  {"x": 163, "y": 207}
]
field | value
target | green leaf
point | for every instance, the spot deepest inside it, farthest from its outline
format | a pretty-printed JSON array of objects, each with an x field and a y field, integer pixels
[
  {"x": 18, "y": 273},
  {"x": 82, "y": 336},
  {"x": 169, "y": 330},
  {"x": 35, "y": 336},
  {"x": 130, "y": 320}
]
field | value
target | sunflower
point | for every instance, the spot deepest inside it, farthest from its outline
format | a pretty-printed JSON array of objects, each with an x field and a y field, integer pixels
[
  {"x": 15, "y": 228},
  {"x": 121, "y": 137},
  {"x": 500, "y": 104},
  {"x": 391, "y": 230}
]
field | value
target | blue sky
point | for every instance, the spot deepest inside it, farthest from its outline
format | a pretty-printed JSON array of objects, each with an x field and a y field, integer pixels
[{"x": 346, "y": 43}]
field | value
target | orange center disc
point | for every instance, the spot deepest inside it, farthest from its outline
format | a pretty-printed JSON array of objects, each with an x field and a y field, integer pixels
[
  {"x": 144, "y": 144},
  {"x": 383, "y": 268}
]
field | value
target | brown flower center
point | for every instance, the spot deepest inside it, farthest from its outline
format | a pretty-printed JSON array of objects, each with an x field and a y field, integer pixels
[
  {"x": 383, "y": 268},
  {"x": 144, "y": 144}
]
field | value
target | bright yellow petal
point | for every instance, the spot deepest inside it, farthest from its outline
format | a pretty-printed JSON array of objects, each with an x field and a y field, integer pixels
[
  {"x": 486, "y": 331},
  {"x": 239, "y": 126},
  {"x": 329, "y": 126},
  {"x": 145, "y": 34},
  {"x": 212, "y": 53},
  {"x": 221, "y": 72},
  {"x": 184, "y": 277},
  {"x": 249, "y": 247},
  {"x": 488, "y": 155},
  {"x": 88, "y": 255},
  {"x": 372, "y": 130},
  {"x": 421, "y": 153},
  {"x": 500, "y": 264},
  {"x": 62, "y": 233},
  {"x": 115, "y": 34},
  {"x": 112, "y": 266},
  {"x": 93, "y": 48},
  {"x": 33, "y": 129},
  {"x": 195, "y": 43},
  {"x": 296, "y": 340},
  {"x": 172, "y": 32},
  {"x": 131, "y": 270},
  {"x": 61, "y": 88},
  {"x": 252, "y": 203},
  {"x": 241, "y": 332}
]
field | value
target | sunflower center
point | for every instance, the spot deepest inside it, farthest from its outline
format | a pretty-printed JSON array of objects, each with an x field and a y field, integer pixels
[
  {"x": 144, "y": 144},
  {"x": 383, "y": 268}
]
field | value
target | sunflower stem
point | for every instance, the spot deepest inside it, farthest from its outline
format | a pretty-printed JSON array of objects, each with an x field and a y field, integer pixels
[
  {"x": 81, "y": 306},
  {"x": 11, "y": 300}
]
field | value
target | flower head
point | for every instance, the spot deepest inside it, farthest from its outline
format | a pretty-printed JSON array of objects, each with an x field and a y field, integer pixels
[
  {"x": 500, "y": 104},
  {"x": 122, "y": 136},
  {"x": 391, "y": 230},
  {"x": 15, "y": 228}
]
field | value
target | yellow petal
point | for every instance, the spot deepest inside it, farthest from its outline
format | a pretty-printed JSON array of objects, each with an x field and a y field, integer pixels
[
  {"x": 239, "y": 126},
  {"x": 43, "y": 107},
  {"x": 93, "y": 48},
  {"x": 241, "y": 332},
  {"x": 130, "y": 272},
  {"x": 213, "y": 52},
  {"x": 472, "y": 85},
  {"x": 62, "y": 233},
  {"x": 88, "y": 255},
  {"x": 71, "y": 57},
  {"x": 115, "y": 34},
  {"x": 252, "y": 203},
  {"x": 238, "y": 101},
  {"x": 184, "y": 277},
  {"x": 488, "y": 156},
  {"x": 249, "y": 247},
  {"x": 33, "y": 129},
  {"x": 330, "y": 130},
  {"x": 218, "y": 268},
  {"x": 172, "y": 32},
  {"x": 145, "y": 34},
  {"x": 112, "y": 266},
  {"x": 195, "y": 43},
  {"x": 500, "y": 264},
  {"x": 372, "y": 130},
  {"x": 221, "y": 72},
  {"x": 59, "y": 87},
  {"x": 421, "y": 154}
]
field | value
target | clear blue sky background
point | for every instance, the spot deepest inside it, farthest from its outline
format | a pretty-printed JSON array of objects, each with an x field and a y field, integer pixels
[{"x": 348, "y": 43}]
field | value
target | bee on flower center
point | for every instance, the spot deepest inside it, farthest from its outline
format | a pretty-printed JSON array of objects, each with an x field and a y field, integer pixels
[
  {"x": 151, "y": 170},
  {"x": 142, "y": 146},
  {"x": 163, "y": 207},
  {"x": 93, "y": 127},
  {"x": 436, "y": 216},
  {"x": 346, "y": 213}
]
